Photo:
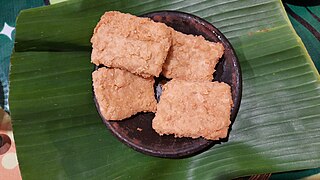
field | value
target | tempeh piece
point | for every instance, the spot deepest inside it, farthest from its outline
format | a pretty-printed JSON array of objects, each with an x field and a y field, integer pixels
[
  {"x": 194, "y": 109},
  {"x": 136, "y": 44},
  {"x": 121, "y": 94},
  {"x": 192, "y": 58}
]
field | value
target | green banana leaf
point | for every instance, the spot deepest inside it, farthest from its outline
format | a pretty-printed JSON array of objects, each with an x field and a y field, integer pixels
[{"x": 59, "y": 134}]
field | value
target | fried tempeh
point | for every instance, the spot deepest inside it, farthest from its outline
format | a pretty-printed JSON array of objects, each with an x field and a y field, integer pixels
[
  {"x": 192, "y": 58},
  {"x": 121, "y": 94},
  {"x": 136, "y": 44},
  {"x": 194, "y": 109}
]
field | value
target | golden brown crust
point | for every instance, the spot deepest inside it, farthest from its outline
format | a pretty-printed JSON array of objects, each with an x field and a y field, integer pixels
[
  {"x": 121, "y": 94},
  {"x": 194, "y": 109},
  {"x": 191, "y": 57},
  {"x": 136, "y": 44}
]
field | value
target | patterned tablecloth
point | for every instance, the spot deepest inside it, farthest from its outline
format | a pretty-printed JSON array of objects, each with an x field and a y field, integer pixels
[{"x": 304, "y": 16}]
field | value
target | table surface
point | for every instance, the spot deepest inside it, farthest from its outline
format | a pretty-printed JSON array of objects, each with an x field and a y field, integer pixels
[{"x": 304, "y": 16}]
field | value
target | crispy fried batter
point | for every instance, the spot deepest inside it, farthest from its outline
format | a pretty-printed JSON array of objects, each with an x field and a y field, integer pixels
[
  {"x": 121, "y": 94},
  {"x": 194, "y": 109},
  {"x": 136, "y": 44},
  {"x": 192, "y": 57}
]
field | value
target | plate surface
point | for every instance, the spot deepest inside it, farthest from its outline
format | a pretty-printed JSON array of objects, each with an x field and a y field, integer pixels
[{"x": 137, "y": 131}]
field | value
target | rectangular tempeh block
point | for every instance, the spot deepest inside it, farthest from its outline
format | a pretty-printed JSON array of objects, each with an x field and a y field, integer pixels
[
  {"x": 192, "y": 58},
  {"x": 194, "y": 109},
  {"x": 121, "y": 94},
  {"x": 136, "y": 44}
]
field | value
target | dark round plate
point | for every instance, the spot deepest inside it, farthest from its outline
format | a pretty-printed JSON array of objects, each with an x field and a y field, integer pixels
[{"x": 137, "y": 131}]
